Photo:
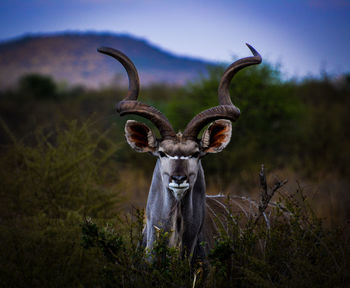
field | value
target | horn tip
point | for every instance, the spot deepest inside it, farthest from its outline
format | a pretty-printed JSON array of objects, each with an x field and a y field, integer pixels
[
  {"x": 102, "y": 49},
  {"x": 254, "y": 52},
  {"x": 105, "y": 50}
]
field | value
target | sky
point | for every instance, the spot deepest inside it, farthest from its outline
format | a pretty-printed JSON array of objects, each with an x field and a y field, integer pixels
[{"x": 303, "y": 37}]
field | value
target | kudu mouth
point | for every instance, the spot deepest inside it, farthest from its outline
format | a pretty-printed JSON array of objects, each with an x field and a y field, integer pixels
[{"x": 179, "y": 189}]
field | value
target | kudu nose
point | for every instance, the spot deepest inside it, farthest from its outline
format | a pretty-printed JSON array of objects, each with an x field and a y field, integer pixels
[{"x": 178, "y": 179}]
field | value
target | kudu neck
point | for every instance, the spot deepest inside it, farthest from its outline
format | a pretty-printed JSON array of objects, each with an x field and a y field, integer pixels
[{"x": 176, "y": 212}]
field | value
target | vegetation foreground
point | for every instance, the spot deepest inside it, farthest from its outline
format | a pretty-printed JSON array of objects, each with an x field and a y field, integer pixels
[
  {"x": 61, "y": 227},
  {"x": 66, "y": 187}
]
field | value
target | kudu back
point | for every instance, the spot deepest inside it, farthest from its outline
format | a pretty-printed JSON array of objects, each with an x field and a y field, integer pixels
[{"x": 177, "y": 200}]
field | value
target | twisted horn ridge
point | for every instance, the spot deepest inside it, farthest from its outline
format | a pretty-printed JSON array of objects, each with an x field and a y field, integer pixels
[
  {"x": 229, "y": 112},
  {"x": 223, "y": 90},
  {"x": 130, "y": 105},
  {"x": 154, "y": 115},
  {"x": 134, "y": 82},
  {"x": 226, "y": 109}
]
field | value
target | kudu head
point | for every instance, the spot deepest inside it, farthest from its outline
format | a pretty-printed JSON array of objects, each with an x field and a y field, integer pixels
[{"x": 179, "y": 153}]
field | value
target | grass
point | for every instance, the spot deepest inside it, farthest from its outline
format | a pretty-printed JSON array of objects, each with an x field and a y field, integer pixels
[
  {"x": 52, "y": 182},
  {"x": 297, "y": 250}
]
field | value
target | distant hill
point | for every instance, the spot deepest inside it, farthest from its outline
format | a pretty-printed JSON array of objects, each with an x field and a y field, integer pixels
[{"x": 72, "y": 57}]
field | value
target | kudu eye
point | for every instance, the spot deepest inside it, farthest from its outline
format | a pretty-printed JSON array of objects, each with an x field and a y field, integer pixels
[
  {"x": 162, "y": 154},
  {"x": 195, "y": 155}
]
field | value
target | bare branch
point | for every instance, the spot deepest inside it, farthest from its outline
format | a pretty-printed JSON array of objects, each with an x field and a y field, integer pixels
[{"x": 266, "y": 194}]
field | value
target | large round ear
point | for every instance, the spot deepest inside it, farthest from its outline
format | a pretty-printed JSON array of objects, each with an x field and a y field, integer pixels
[
  {"x": 216, "y": 137},
  {"x": 140, "y": 137}
]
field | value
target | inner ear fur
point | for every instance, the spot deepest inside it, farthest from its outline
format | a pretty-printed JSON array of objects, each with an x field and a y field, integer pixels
[
  {"x": 216, "y": 137},
  {"x": 140, "y": 137}
]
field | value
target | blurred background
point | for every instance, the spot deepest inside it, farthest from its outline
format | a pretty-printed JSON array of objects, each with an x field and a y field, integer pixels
[{"x": 63, "y": 152}]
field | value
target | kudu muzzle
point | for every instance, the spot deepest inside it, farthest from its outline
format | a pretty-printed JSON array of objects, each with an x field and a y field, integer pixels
[{"x": 179, "y": 183}]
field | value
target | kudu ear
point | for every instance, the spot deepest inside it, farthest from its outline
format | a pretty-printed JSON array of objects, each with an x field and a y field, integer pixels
[
  {"x": 140, "y": 137},
  {"x": 216, "y": 137}
]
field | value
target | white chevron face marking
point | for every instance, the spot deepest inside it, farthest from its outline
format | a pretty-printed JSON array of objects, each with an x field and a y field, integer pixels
[
  {"x": 177, "y": 157},
  {"x": 183, "y": 185},
  {"x": 179, "y": 189}
]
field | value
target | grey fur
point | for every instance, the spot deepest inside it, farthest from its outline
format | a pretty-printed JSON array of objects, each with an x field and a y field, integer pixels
[
  {"x": 177, "y": 195},
  {"x": 173, "y": 205},
  {"x": 164, "y": 210}
]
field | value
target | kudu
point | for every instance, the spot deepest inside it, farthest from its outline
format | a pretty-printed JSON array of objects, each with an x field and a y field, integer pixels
[{"x": 177, "y": 200}]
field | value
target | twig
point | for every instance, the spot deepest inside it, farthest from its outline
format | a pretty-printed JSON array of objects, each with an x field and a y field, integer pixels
[{"x": 266, "y": 194}]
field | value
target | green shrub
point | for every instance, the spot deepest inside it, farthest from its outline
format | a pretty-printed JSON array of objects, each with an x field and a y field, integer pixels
[
  {"x": 54, "y": 178},
  {"x": 37, "y": 86},
  {"x": 47, "y": 187},
  {"x": 296, "y": 250}
]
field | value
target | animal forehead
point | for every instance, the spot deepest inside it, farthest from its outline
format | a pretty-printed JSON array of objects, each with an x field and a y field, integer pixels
[{"x": 183, "y": 148}]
